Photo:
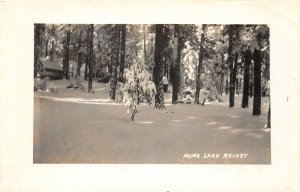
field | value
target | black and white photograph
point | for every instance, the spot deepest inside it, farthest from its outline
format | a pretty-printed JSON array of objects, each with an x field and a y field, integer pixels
[
  {"x": 152, "y": 94},
  {"x": 149, "y": 96}
]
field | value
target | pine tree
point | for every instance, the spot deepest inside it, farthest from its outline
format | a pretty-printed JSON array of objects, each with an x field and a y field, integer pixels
[
  {"x": 38, "y": 30},
  {"x": 176, "y": 67},
  {"x": 257, "y": 83},
  {"x": 91, "y": 32},
  {"x": 66, "y": 54},
  {"x": 114, "y": 60},
  {"x": 138, "y": 88},
  {"x": 199, "y": 72},
  {"x": 269, "y": 116},
  {"x": 247, "y": 64},
  {"x": 79, "y": 55},
  {"x": 122, "y": 55},
  {"x": 233, "y": 79},
  {"x": 159, "y": 67},
  {"x": 233, "y": 34}
]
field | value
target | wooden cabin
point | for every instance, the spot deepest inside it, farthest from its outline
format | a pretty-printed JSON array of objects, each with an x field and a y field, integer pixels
[{"x": 51, "y": 69}]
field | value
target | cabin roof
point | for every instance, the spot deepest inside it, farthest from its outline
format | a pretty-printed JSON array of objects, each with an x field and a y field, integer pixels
[{"x": 51, "y": 65}]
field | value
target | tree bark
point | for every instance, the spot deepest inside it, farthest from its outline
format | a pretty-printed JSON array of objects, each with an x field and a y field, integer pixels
[
  {"x": 257, "y": 83},
  {"x": 222, "y": 76},
  {"x": 87, "y": 56},
  {"x": 251, "y": 89},
  {"x": 226, "y": 86},
  {"x": 237, "y": 90},
  {"x": 79, "y": 55},
  {"x": 221, "y": 84},
  {"x": 52, "y": 51},
  {"x": 145, "y": 50},
  {"x": 176, "y": 67},
  {"x": 38, "y": 28},
  {"x": 66, "y": 55},
  {"x": 91, "y": 32},
  {"x": 72, "y": 68},
  {"x": 246, "y": 89},
  {"x": 114, "y": 59},
  {"x": 231, "y": 68},
  {"x": 158, "y": 67},
  {"x": 166, "y": 56},
  {"x": 122, "y": 59},
  {"x": 236, "y": 57},
  {"x": 199, "y": 72},
  {"x": 232, "y": 80},
  {"x": 86, "y": 67},
  {"x": 269, "y": 116},
  {"x": 46, "y": 47}
]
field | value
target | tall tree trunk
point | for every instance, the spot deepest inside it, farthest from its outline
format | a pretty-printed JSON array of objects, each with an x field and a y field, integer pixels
[
  {"x": 231, "y": 85},
  {"x": 269, "y": 116},
  {"x": 38, "y": 29},
  {"x": 176, "y": 69},
  {"x": 166, "y": 55},
  {"x": 145, "y": 50},
  {"x": 46, "y": 47},
  {"x": 221, "y": 84},
  {"x": 247, "y": 64},
  {"x": 199, "y": 72},
  {"x": 52, "y": 51},
  {"x": 222, "y": 76},
  {"x": 233, "y": 68},
  {"x": 114, "y": 59},
  {"x": 231, "y": 77},
  {"x": 257, "y": 83},
  {"x": 251, "y": 89},
  {"x": 86, "y": 67},
  {"x": 66, "y": 55},
  {"x": 158, "y": 67},
  {"x": 122, "y": 59},
  {"x": 237, "y": 86},
  {"x": 72, "y": 68},
  {"x": 91, "y": 32},
  {"x": 87, "y": 56},
  {"x": 233, "y": 61},
  {"x": 79, "y": 55},
  {"x": 227, "y": 85},
  {"x": 171, "y": 74},
  {"x": 251, "y": 80},
  {"x": 236, "y": 64}
]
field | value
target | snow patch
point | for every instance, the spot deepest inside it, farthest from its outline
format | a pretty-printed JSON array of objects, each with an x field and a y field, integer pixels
[
  {"x": 99, "y": 89},
  {"x": 237, "y": 131},
  {"x": 211, "y": 123},
  {"x": 176, "y": 120},
  {"x": 107, "y": 101},
  {"x": 234, "y": 116},
  {"x": 224, "y": 127},
  {"x": 145, "y": 122},
  {"x": 192, "y": 117}
]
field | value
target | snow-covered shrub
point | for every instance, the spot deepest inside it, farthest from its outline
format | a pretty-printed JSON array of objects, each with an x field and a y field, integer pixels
[
  {"x": 36, "y": 84},
  {"x": 40, "y": 84},
  {"x": 77, "y": 83},
  {"x": 138, "y": 88},
  {"x": 119, "y": 92}
]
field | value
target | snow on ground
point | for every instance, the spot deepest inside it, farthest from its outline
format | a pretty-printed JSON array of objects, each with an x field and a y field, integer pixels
[{"x": 80, "y": 131}]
